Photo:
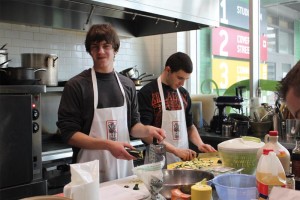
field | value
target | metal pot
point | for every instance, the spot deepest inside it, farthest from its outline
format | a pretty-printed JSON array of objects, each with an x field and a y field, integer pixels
[
  {"x": 21, "y": 75},
  {"x": 45, "y": 61}
]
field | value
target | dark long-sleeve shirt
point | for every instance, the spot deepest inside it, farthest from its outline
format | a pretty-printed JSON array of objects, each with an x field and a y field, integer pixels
[
  {"x": 150, "y": 107},
  {"x": 76, "y": 109}
]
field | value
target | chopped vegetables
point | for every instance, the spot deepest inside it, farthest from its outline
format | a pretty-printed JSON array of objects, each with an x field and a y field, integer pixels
[{"x": 196, "y": 163}]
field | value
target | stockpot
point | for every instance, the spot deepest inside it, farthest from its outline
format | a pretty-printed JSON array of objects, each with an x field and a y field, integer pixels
[{"x": 46, "y": 61}]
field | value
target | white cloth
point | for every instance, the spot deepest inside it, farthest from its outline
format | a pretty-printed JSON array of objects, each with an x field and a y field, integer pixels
[
  {"x": 284, "y": 193},
  {"x": 109, "y": 124},
  {"x": 174, "y": 123}
]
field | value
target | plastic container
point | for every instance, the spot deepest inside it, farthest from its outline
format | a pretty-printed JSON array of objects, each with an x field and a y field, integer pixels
[
  {"x": 271, "y": 142},
  {"x": 235, "y": 186},
  {"x": 269, "y": 173},
  {"x": 240, "y": 153}
]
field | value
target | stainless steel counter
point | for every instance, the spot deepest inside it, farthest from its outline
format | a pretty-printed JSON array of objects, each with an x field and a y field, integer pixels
[{"x": 32, "y": 89}]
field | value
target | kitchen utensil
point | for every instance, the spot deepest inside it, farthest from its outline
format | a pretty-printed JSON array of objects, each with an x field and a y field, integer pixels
[
  {"x": 235, "y": 186},
  {"x": 240, "y": 153},
  {"x": 20, "y": 73},
  {"x": 182, "y": 179},
  {"x": 45, "y": 61},
  {"x": 260, "y": 129},
  {"x": 156, "y": 153},
  {"x": 152, "y": 154},
  {"x": 141, "y": 75},
  {"x": 3, "y": 46},
  {"x": 129, "y": 72}
]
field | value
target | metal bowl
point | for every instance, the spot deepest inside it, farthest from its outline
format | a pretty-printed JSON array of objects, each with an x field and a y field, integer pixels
[{"x": 182, "y": 179}]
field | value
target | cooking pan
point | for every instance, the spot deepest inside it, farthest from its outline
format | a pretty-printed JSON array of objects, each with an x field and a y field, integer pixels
[
  {"x": 129, "y": 72},
  {"x": 138, "y": 81},
  {"x": 20, "y": 75}
]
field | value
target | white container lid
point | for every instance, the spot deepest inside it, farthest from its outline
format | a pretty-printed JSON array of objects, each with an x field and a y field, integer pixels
[{"x": 243, "y": 143}]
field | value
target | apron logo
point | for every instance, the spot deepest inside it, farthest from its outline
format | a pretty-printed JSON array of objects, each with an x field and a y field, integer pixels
[
  {"x": 112, "y": 133},
  {"x": 175, "y": 130}
]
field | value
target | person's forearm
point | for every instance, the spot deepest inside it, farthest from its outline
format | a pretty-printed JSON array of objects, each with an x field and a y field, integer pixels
[
  {"x": 139, "y": 131},
  {"x": 170, "y": 148},
  {"x": 84, "y": 141}
]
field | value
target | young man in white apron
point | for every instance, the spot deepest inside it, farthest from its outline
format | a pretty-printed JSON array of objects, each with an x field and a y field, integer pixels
[
  {"x": 98, "y": 110},
  {"x": 164, "y": 103}
]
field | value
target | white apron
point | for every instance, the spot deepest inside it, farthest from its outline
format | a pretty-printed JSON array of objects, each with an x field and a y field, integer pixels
[
  {"x": 173, "y": 122},
  {"x": 108, "y": 124}
]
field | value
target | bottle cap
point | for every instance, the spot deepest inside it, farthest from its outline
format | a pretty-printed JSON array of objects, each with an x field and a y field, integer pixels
[
  {"x": 273, "y": 133},
  {"x": 266, "y": 151}
]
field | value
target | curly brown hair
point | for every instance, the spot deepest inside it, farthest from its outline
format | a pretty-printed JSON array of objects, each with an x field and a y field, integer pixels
[
  {"x": 102, "y": 32},
  {"x": 291, "y": 80}
]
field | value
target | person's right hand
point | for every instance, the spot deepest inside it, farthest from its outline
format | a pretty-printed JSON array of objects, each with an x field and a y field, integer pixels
[
  {"x": 185, "y": 154},
  {"x": 117, "y": 149}
]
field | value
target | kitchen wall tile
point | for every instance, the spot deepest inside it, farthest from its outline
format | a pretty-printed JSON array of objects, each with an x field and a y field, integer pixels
[
  {"x": 68, "y": 45},
  {"x": 12, "y": 34},
  {"x": 39, "y": 36},
  {"x": 45, "y": 30},
  {"x": 18, "y": 27},
  {"x": 33, "y": 29},
  {"x": 26, "y": 35}
]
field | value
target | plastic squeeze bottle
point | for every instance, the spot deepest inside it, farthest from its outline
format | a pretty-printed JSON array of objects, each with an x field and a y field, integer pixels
[
  {"x": 269, "y": 173},
  {"x": 271, "y": 142}
]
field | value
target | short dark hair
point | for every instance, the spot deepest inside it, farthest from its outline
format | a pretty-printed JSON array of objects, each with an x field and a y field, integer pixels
[
  {"x": 102, "y": 32},
  {"x": 180, "y": 61},
  {"x": 291, "y": 80}
]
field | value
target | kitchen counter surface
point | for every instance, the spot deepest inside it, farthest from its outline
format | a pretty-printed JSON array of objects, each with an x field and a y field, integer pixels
[{"x": 131, "y": 181}]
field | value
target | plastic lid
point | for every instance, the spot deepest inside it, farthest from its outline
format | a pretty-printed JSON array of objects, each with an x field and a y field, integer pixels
[
  {"x": 266, "y": 151},
  {"x": 241, "y": 144},
  {"x": 273, "y": 133}
]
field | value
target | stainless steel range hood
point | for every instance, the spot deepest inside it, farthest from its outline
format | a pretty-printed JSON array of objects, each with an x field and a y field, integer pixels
[{"x": 132, "y": 18}]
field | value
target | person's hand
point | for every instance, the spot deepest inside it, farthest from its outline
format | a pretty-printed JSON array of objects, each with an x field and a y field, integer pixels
[
  {"x": 185, "y": 154},
  {"x": 157, "y": 133},
  {"x": 117, "y": 149},
  {"x": 206, "y": 148}
]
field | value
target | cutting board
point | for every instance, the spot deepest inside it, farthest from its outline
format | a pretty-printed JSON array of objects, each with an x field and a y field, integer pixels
[
  {"x": 210, "y": 162},
  {"x": 202, "y": 160}
]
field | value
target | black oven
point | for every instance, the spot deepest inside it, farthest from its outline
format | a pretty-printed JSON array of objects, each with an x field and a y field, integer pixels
[{"x": 20, "y": 142}]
